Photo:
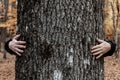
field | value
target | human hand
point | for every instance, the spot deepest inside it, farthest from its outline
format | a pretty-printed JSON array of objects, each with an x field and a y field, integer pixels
[
  {"x": 17, "y": 46},
  {"x": 100, "y": 49}
]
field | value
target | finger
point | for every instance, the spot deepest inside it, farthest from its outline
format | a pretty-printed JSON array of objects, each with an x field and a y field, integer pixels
[
  {"x": 18, "y": 53},
  {"x": 19, "y": 50},
  {"x": 99, "y": 56},
  {"x": 95, "y": 47},
  {"x": 96, "y": 50},
  {"x": 97, "y": 53},
  {"x": 99, "y": 40},
  {"x": 17, "y": 37},
  {"x": 20, "y": 42},
  {"x": 21, "y": 46}
]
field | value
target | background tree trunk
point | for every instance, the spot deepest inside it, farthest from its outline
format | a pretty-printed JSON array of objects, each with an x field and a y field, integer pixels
[
  {"x": 6, "y": 3},
  {"x": 59, "y": 34}
]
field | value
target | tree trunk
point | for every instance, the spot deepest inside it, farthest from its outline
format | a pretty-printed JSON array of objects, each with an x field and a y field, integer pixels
[
  {"x": 59, "y": 34},
  {"x": 6, "y": 4}
]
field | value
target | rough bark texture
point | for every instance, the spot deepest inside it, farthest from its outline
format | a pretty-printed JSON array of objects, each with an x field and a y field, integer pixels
[{"x": 59, "y": 34}]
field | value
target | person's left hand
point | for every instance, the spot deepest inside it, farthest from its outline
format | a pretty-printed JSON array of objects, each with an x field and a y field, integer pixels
[{"x": 100, "y": 49}]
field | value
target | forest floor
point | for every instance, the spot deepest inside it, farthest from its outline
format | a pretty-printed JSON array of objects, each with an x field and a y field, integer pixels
[
  {"x": 7, "y": 68},
  {"x": 112, "y": 68}
]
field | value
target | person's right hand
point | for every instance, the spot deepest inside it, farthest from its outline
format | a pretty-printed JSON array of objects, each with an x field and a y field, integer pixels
[{"x": 17, "y": 46}]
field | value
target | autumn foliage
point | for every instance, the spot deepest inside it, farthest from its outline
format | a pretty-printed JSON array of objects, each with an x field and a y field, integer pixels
[{"x": 111, "y": 18}]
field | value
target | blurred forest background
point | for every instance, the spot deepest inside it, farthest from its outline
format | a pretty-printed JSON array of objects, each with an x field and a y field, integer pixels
[{"x": 8, "y": 22}]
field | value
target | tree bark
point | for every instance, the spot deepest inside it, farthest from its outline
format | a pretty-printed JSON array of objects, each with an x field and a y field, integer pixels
[
  {"x": 59, "y": 34},
  {"x": 6, "y": 5}
]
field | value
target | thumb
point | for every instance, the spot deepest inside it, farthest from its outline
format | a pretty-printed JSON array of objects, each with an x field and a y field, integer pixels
[
  {"x": 17, "y": 37},
  {"x": 99, "y": 40}
]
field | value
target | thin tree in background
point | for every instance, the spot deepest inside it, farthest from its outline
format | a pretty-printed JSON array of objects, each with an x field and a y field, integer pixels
[
  {"x": 6, "y": 4},
  {"x": 59, "y": 34},
  {"x": 4, "y": 10}
]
